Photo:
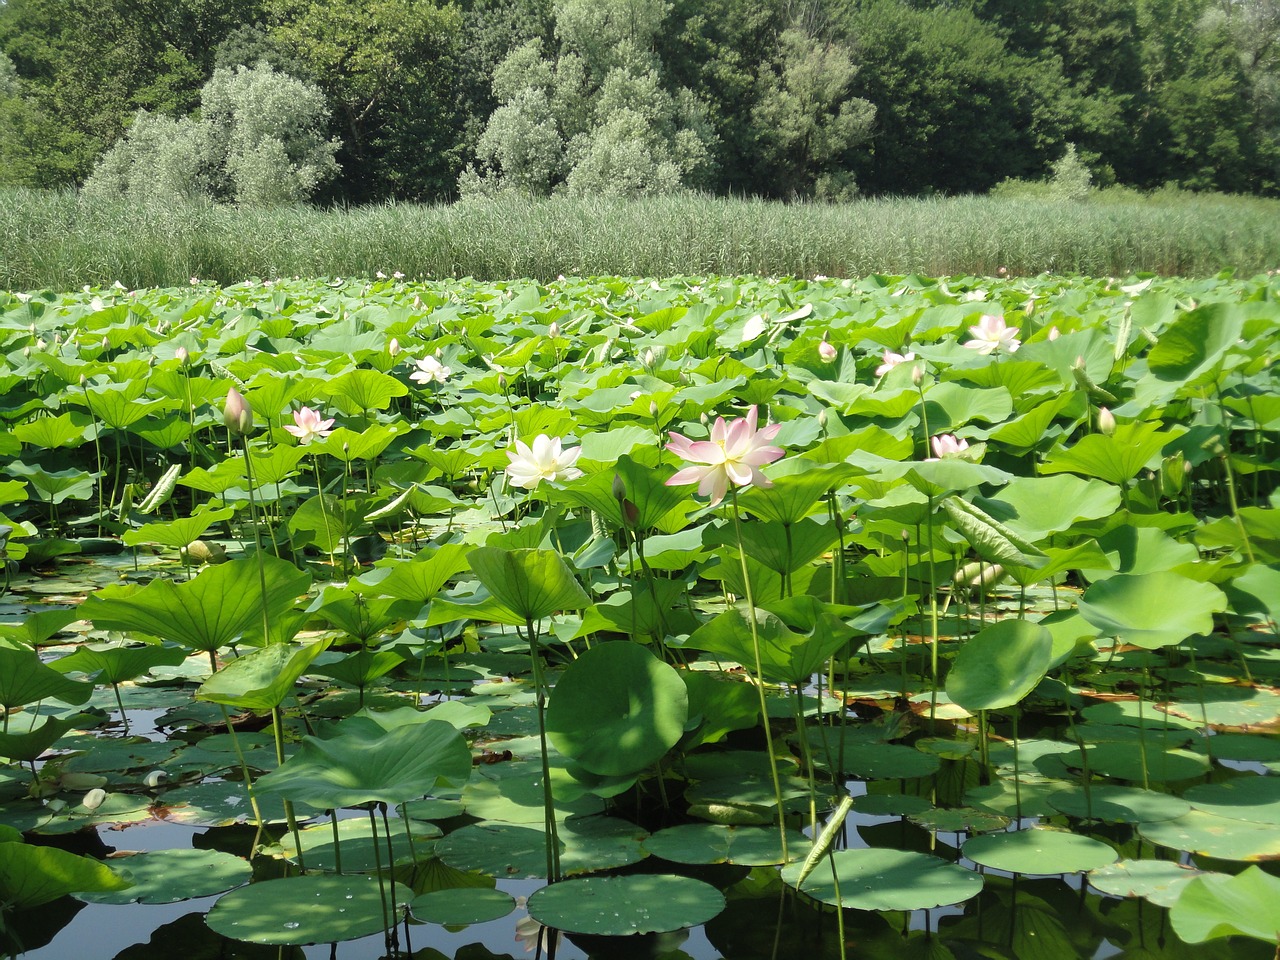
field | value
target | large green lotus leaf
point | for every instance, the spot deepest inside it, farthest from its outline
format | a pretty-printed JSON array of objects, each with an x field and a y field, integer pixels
[
  {"x": 461, "y": 907},
  {"x": 275, "y": 464},
  {"x": 655, "y": 505},
  {"x": 1030, "y": 430},
  {"x": 951, "y": 475},
  {"x": 1134, "y": 761},
  {"x": 879, "y": 879},
  {"x": 951, "y": 404},
  {"x": 617, "y": 709},
  {"x": 605, "y": 447},
  {"x": 180, "y": 532},
  {"x": 621, "y": 906},
  {"x": 112, "y": 663},
  {"x": 1256, "y": 799},
  {"x": 1137, "y": 550},
  {"x": 1039, "y": 506},
  {"x": 167, "y": 876},
  {"x": 1222, "y": 705},
  {"x": 798, "y": 485},
  {"x": 31, "y": 875},
  {"x": 636, "y": 613},
  {"x": 260, "y": 680},
  {"x": 1084, "y": 555},
  {"x": 517, "y": 851},
  {"x": 718, "y": 705},
  {"x": 366, "y": 763},
  {"x": 362, "y": 390},
  {"x": 58, "y": 485},
  {"x": 1152, "y": 610},
  {"x": 1256, "y": 592},
  {"x": 49, "y": 433},
  {"x": 1211, "y": 907},
  {"x": 1160, "y": 881},
  {"x": 210, "y": 611},
  {"x": 1117, "y": 804},
  {"x": 785, "y": 655},
  {"x": 37, "y": 628},
  {"x": 220, "y": 803},
  {"x": 1038, "y": 851},
  {"x": 532, "y": 584},
  {"x": 1224, "y": 838},
  {"x": 719, "y": 843},
  {"x": 359, "y": 616},
  {"x": 887, "y": 761},
  {"x": 349, "y": 446},
  {"x": 1000, "y": 665},
  {"x": 784, "y": 549},
  {"x": 329, "y": 524},
  {"x": 1195, "y": 342},
  {"x": 30, "y": 745},
  {"x": 419, "y": 579},
  {"x": 512, "y": 792},
  {"x": 358, "y": 669},
  {"x": 309, "y": 909},
  {"x": 1117, "y": 458},
  {"x": 24, "y": 678},
  {"x": 991, "y": 540}
]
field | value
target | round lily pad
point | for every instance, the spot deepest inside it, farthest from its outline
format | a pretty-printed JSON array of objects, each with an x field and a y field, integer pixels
[
  {"x": 1160, "y": 881},
  {"x": 1213, "y": 836},
  {"x": 1038, "y": 852},
  {"x": 116, "y": 808},
  {"x": 1124, "y": 761},
  {"x": 880, "y": 879},
  {"x": 888, "y": 761},
  {"x": 890, "y": 804},
  {"x": 619, "y": 906},
  {"x": 218, "y": 803},
  {"x": 719, "y": 843},
  {"x": 1115, "y": 804},
  {"x": 959, "y": 820},
  {"x": 167, "y": 876},
  {"x": 1246, "y": 747},
  {"x": 512, "y": 851},
  {"x": 461, "y": 907},
  {"x": 1226, "y": 706},
  {"x": 296, "y": 910},
  {"x": 1032, "y": 799},
  {"x": 360, "y": 849},
  {"x": 512, "y": 792},
  {"x": 1256, "y": 799}
]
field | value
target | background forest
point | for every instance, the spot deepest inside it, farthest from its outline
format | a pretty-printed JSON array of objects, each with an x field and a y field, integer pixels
[{"x": 355, "y": 101}]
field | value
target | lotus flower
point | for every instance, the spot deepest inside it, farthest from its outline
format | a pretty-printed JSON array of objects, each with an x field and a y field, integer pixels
[
  {"x": 430, "y": 370},
  {"x": 308, "y": 426},
  {"x": 236, "y": 414},
  {"x": 891, "y": 360},
  {"x": 545, "y": 460},
  {"x": 734, "y": 454},
  {"x": 946, "y": 445},
  {"x": 990, "y": 334},
  {"x": 827, "y": 351}
]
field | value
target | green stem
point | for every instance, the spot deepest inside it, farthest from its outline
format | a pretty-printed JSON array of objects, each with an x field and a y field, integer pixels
[
  {"x": 277, "y": 726},
  {"x": 759, "y": 668},
  {"x": 548, "y": 801}
]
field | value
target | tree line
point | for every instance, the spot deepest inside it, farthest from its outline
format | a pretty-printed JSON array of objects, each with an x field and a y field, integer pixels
[{"x": 353, "y": 102}]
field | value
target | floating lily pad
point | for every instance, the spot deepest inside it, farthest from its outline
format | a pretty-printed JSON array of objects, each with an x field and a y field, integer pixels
[
  {"x": 621, "y": 906},
  {"x": 1160, "y": 881},
  {"x": 122, "y": 755},
  {"x": 1038, "y": 852},
  {"x": 1213, "y": 836},
  {"x": 1227, "y": 706},
  {"x": 999, "y": 797},
  {"x": 890, "y": 804},
  {"x": 513, "y": 792},
  {"x": 219, "y": 803},
  {"x": 959, "y": 820},
  {"x": 461, "y": 907},
  {"x": 878, "y": 879},
  {"x": 888, "y": 761},
  {"x": 514, "y": 852},
  {"x": 1124, "y": 761},
  {"x": 1256, "y": 799},
  {"x": 1115, "y": 804},
  {"x": 718, "y": 843},
  {"x": 167, "y": 876},
  {"x": 356, "y": 844},
  {"x": 1246, "y": 747},
  {"x": 296, "y": 910},
  {"x": 115, "y": 808}
]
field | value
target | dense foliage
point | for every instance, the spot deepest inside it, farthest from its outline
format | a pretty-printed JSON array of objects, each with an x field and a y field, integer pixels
[{"x": 774, "y": 99}]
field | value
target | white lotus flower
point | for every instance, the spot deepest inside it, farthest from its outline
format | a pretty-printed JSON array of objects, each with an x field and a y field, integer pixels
[{"x": 545, "y": 460}]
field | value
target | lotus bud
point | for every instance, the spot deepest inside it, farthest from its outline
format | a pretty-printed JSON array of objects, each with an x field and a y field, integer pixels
[
  {"x": 905, "y": 536},
  {"x": 106, "y": 344},
  {"x": 822, "y": 418},
  {"x": 83, "y": 381},
  {"x": 1054, "y": 333},
  {"x": 917, "y": 375},
  {"x": 619, "y": 488},
  {"x": 826, "y": 350},
  {"x": 439, "y": 353},
  {"x": 554, "y": 330},
  {"x": 41, "y": 343},
  {"x": 94, "y": 798},
  {"x": 26, "y": 353},
  {"x": 648, "y": 357},
  {"x": 393, "y": 347},
  {"x": 182, "y": 356},
  {"x": 236, "y": 413},
  {"x": 1106, "y": 422},
  {"x": 502, "y": 382},
  {"x": 57, "y": 340}
]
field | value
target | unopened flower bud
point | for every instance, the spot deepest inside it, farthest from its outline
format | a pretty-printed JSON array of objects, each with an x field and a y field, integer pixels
[
  {"x": 619, "y": 488},
  {"x": 653, "y": 409},
  {"x": 181, "y": 355},
  {"x": 826, "y": 350},
  {"x": 1106, "y": 422},
  {"x": 236, "y": 414},
  {"x": 554, "y": 330},
  {"x": 94, "y": 799},
  {"x": 648, "y": 358},
  {"x": 1054, "y": 333},
  {"x": 822, "y": 418},
  {"x": 83, "y": 381},
  {"x": 393, "y": 347},
  {"x": 917, "y": 375}
]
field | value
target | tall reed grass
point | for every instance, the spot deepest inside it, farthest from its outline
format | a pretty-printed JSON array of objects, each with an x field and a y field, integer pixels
[{"x": 56, "y": 240}]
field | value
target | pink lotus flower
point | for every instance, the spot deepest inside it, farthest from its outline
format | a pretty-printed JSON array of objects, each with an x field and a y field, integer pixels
[
  {"x": 827, "y": 351},
  {"x": 946, "y": 445},
  {"x": 734, "y": 454},
  {"x": 308, "y": 426},
  {"x": 545, "y": 460},
  {"x": 891, "y": 360},
  {"x": 990, "y": 335}
]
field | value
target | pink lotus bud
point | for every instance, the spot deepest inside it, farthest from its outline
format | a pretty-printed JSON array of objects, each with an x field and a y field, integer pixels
[
  {"x": 181, "y": 355},
  {"x": 827, "y": 351},
  {"x": 236, "y": 414}
]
